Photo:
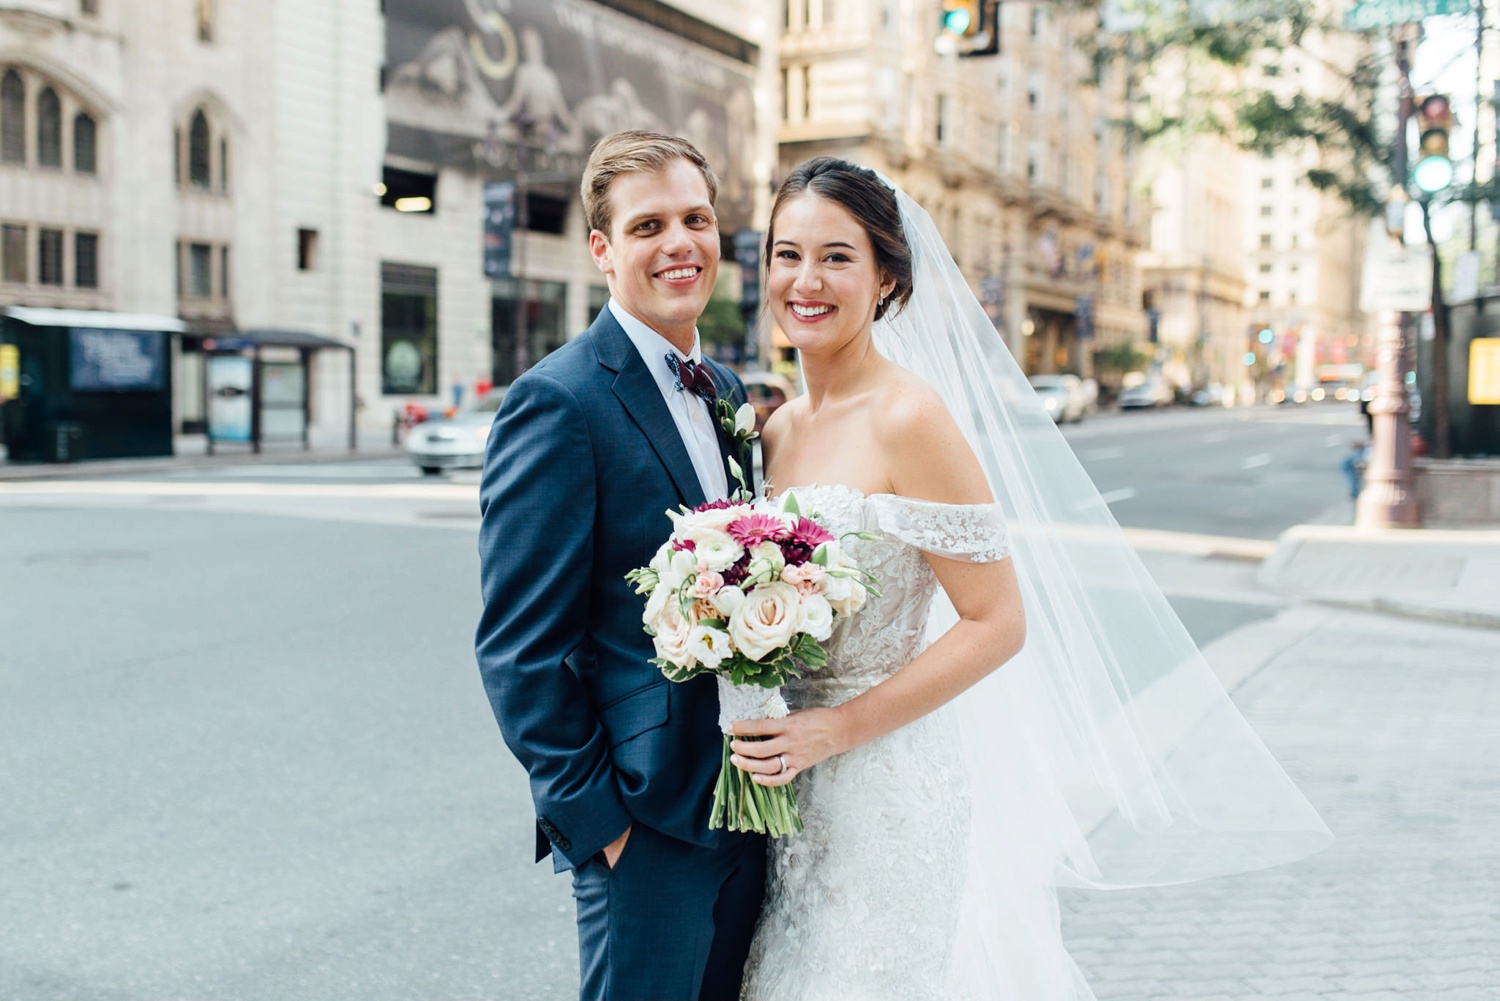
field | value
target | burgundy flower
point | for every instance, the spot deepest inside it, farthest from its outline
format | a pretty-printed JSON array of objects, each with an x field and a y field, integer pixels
[
  {"x": 737, "y": 573},
  {"x": 796, "y": 553},
  {"x": 753, "y": 529},
  {"x": 715, "y": 505},
  {"x": 678, "y": 545}
]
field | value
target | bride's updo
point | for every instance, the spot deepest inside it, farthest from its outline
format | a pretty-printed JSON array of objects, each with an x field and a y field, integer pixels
[{"x": 872, "y": 203}]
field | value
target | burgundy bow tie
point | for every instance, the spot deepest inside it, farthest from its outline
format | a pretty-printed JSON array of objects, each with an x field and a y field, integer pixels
[{"x": 693, "y": 377}]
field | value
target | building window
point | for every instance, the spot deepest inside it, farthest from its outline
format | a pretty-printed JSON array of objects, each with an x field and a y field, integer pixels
[
  {"x": 1292, "y": 298},
  {"x": 786, "y": 94},
  {"x": 223, "y": 164},
  {"x": 1265, "y": 269},
  {"x": 198, "y": 145},
  {"x": 806, "y": 93},
  {"x": 49, "y": 128},
  {"x": 598, "y": 299},
  {"x": 200, "y": 270},
  {"x": 86, "y": 260},
  {"x": 408, "y": 191},
  {"x": 941, "y": 131},
  {"x": 205, "y": 20},
  {"x": 85, "y": 144},
  {"x": 408, "y": 329},
  {"x": 224, "y": 273},
  {"x": 542, "y": 313},
  {"x": 49, "y": 269},
  {"x": 12, "y": 118},
  {"x": 1265, "y": 295},
  {"x": 1265, "y": 211},
  {"x": 1265, "y": 241},
  {"x": 13, "y": 250},
  {"x": 307, "y": 249},
  {"x": 1267, "y": 183},
  {"x": 90, "y": 7}
]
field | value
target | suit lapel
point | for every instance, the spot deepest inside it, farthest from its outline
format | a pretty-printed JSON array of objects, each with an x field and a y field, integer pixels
[{"x": 639, "y": 394}]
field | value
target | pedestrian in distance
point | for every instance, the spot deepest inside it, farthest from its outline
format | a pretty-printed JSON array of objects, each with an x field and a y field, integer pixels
[{"x": 588, "y": 451}]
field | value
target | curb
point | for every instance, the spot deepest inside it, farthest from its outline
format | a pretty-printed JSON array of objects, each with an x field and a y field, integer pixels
[
  {"x": 117, "y": 467},
  {"x": 1467, "y": 617}
]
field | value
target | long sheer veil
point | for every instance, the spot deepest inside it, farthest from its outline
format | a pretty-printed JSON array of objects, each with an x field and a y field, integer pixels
[{"x": 1106, "y": 754}]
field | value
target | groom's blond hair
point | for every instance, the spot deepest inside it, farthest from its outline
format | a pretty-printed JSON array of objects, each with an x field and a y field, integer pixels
[{"x": 629, "y": 152}]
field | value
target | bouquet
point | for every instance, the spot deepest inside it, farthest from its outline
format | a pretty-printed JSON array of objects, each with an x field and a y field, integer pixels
[{"x": 747, "y": 591}]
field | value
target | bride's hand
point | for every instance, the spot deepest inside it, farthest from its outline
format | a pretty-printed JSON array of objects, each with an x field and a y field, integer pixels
[{"x": 800, "y": 740}]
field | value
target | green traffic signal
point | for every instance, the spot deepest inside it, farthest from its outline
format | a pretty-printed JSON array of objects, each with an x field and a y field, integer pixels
[{"x": 1433, "y": 174}]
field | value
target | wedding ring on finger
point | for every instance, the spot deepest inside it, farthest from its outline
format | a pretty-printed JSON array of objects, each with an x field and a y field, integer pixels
[{"x": 781, "y": 758}]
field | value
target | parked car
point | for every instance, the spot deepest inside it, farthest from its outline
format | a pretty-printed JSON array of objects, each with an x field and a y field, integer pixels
[
  {"x": 767, "y": 391},
  {"x": 1211, "y": 395},
  {"x": 455, "y": 442},
  {"x": 1064, "y": 396},
  {"x": 1151, "y": 391}
]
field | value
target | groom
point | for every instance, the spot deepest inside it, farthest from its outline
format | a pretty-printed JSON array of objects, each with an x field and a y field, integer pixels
[{"x": 588, "y": 451}]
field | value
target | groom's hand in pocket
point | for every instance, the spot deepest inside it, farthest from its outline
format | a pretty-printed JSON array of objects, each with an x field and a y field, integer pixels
[{"x": 614, "y": 848}]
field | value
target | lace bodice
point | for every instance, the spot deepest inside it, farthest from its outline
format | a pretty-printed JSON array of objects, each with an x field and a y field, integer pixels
[
  {"x": 864, "y": 903},
  {"x": 889, "y": 631}
]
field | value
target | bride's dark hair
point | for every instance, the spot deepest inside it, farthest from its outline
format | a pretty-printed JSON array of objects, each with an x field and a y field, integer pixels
[{"x": 872, "y": 203}]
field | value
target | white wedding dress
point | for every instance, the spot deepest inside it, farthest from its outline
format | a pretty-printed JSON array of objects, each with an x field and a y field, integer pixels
[{"x": 864, "y": 905}]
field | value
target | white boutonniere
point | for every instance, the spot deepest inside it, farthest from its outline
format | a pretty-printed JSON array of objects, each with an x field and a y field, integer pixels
[{"x": 738, "y": 426}]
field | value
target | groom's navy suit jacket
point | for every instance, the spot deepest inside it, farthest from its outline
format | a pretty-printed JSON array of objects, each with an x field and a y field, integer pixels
[{"x": 582, "y": 464}]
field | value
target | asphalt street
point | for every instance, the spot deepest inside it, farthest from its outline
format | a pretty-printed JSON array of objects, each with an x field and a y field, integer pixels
[{"x": 246, "y": 754}]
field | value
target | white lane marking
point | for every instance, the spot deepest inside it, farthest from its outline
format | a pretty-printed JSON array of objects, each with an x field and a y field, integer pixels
[
  {"x": 1263, "y": 459},
  {"x": 1214, "y": 436},
  {"x": 1098, "y": 454},
  {"x": 1115, "y": 496}
]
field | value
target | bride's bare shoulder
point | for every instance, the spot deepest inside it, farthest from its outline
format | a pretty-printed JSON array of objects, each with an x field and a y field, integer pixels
[{"x": 924, "y": 447}]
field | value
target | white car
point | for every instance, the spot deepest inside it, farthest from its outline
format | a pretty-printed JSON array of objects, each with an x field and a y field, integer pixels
[
  {"x": 1065, "y": 396},
  {"x": 1153, "y": 391},
  {"x": 458, "y": 441}
]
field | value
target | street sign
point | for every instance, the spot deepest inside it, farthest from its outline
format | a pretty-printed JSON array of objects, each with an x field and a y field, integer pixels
[
  {"x": 1398, "y": 278},
  {"x": 1371, "y": 14}
]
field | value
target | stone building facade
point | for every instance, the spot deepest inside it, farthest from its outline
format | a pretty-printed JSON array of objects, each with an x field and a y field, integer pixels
[
  {"x": 242, "y": 165},
  {"x": 1014, "y": 154}
]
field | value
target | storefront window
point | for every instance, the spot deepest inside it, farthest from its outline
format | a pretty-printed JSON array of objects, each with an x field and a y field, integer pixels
[
  {"x": 408, "y": 330},
  {"x": 543, "y": 317}
]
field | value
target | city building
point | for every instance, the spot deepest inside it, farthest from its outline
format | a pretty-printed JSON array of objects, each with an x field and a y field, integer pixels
[
  {"x": 395, "y": 178},
  {"x": 1015, "y": 155}
]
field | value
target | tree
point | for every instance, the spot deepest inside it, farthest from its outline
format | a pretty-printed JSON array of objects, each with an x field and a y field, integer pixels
[{"x": 1226, "y": 56}]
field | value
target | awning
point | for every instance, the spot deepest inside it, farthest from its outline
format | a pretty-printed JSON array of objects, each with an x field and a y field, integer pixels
[
  {"x": 238, "y": 340},
  {"x": 98, "y": 319}
]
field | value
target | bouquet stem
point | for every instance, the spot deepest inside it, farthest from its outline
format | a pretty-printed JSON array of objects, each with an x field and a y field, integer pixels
[{"x": 740, "y": 803}]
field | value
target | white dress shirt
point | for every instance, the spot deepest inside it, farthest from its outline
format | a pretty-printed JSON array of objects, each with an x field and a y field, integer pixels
[{"x": 689, "y": 412}]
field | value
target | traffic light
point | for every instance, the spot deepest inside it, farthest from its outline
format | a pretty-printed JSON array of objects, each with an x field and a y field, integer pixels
[
  {"x": 1434, "y": 169},
  {"x": 961, "y": 18}
]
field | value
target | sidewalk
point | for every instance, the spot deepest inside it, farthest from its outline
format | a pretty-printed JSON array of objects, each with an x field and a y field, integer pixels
[
  {"x": 191, "y": 452},
  {"x": 1378, "y": 688}
]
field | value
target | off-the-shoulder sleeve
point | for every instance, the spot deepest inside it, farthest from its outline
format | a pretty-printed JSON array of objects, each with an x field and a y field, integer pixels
[{"x": 974, "y": 533}]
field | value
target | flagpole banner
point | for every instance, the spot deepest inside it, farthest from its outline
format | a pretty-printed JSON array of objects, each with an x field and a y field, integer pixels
[{"x": 472, "y": 86}]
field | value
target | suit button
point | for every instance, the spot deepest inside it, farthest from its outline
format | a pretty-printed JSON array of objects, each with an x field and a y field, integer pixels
[{"x": 564, "y": 843}]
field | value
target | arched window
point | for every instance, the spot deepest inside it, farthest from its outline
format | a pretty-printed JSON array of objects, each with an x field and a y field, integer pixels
[
  {"x": 48, "y": 128},
  {"x": 85, "y": 137},
  {"x": 199, "y": 172},
  {"x": 223, "y": 164},
  {"x": 12, "y": 118}
]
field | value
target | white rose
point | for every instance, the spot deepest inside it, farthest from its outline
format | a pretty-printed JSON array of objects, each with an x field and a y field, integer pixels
[
  {"x": 815, "y": 617},
  {"x": 662, "y": 559},
  {"x": 845, "y": 595},
  {"x": 728, "y": 600},
  {"x": 708, "y": 646},
  {"x": 687, "y": 526},
  {"x": 673, "y": 637},
  {"x": 766, "y": 620},
  {"x": 717, "y": 551},
  {"x": 655, "y": 603}
]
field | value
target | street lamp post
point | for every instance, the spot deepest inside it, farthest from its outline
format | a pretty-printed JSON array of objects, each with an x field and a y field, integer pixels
[{"x": 1388, "y": 499}]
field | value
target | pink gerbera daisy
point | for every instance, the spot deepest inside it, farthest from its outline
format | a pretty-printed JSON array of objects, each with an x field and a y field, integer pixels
[
  {"x": 753, "y": 529},
  {"x": 809, "y": 533}
]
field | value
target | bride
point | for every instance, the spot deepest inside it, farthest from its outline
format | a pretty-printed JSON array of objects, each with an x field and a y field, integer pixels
[{"x": 1059, "y": 729}]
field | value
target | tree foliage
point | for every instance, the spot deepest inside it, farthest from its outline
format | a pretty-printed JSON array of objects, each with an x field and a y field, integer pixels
[{"x": 1216, "y": 67}]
